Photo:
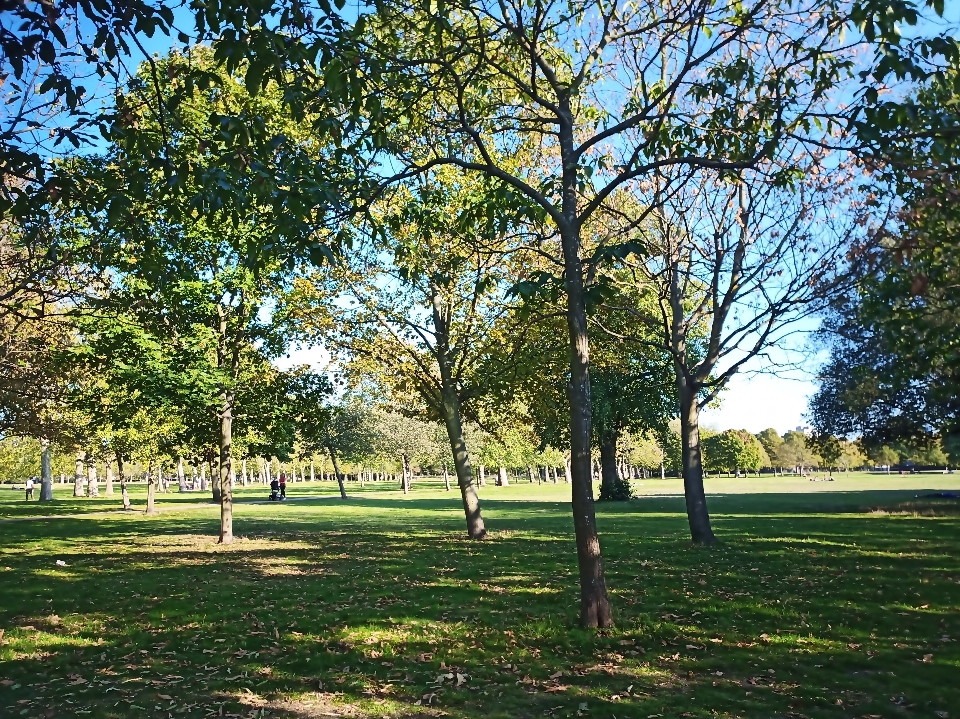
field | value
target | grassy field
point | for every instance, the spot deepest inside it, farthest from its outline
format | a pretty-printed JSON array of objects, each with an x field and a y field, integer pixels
[{"x": 825, "y": 600}]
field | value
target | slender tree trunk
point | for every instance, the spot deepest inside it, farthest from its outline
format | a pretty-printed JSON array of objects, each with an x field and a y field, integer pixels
[
  {"x": 502, "y": 479},
  {"x": 151, "y": 489},
  {"x": 46, "y": 474},
  {"x": 483, "y": 476},
  {"x": 336, "y": 471},
  {"x": 530, "y": 474},
  {"x": 697, "y": 514},
  {"x": 446, "y": 477},
  {"x": 543, "y": 477},
  {"x": 108, "y": 477},
  {"x": 243, "y": 470},
  {"x": 216, "y": 493},
  {"x": 226, "y": 466},
  {"x": 594, "y": 604},
  {"x": 121, "y": 475},
  {"x": 556, "y": 477},
  {"x": 181, "y": 476},
  {"x": 93, "y": 487},
  {"x": 663, "y": 473},
  {"x": 312, "y": 475}
]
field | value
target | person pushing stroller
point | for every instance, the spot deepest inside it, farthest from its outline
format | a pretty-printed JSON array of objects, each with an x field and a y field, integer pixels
[{"x": 274, "y": 490}]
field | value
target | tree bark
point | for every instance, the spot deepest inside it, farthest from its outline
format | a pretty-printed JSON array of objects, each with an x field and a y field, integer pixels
[
  {"x": 214, "y": 481},
  {"x": 502, "y": 479},
  {"x": 93, "y": 488},
  {"x": 697, "y": 514},
  {"x": 483, "y": 476},
  {"x": 446, "y": 477},
  {"x": 151, "y": 490},
  {"x": 594, "y": 604},
  {"x": 46, "y": 474},
  {"x": 108, "y": 477},
  {"x": 79, "y": 474},
  {"x": 226, "y": 466},
  {"x": 124, "y": 495},
  {"x": 530, "y": 474},
  {"x": 608, "y": 466},
  {"x": 312, "y": 476},
  {"x": 336, "y": 471}
]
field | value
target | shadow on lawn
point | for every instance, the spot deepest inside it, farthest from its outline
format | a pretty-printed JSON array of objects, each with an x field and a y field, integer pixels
[{"x": 825, "y": 616}]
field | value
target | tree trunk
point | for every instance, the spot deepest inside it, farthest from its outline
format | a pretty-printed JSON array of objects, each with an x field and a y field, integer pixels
[
  {"x": 446, "y": 477},
  {"x": 336, "y": 471},
  {"x": 483, "y": 476},
  {"x": 407, "y": 474},
  {"x": 663, "y": 474},
  {"x": 697, "y": 514},
  {"x": 226, "y": 467},
  {"x": 214, "y": 481},
  {"x": 502, "y": 480},
  {"x": 594, "y": 604},
  {"x": 243, "y": 471},
  {"x": 556, "y": 477},
  {"x": 530, "y": 474},
  {"x": 151, "y": 490},
  {"x": 608, "y": 467},
  {"x": 312, "y": 476},
  {"x": 79, "y": 474},
  {"x": 46, "y": 474},
  {"x": 124, "y": 495},
  {"x": 181, "y": 476},
  {"x": 93, "y": 487},
  {"x": 108, "y": 477}
]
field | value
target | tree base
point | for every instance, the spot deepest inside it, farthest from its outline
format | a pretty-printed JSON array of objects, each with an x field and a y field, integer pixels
[{"x": 621, "y": 491}]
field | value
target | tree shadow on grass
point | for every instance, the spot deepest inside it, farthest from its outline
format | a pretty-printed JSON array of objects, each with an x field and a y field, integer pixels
[{"x": 368, "y": 613}]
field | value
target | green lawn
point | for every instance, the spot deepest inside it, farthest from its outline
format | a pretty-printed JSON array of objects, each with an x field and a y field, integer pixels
[{"x": 825, "y": 600}]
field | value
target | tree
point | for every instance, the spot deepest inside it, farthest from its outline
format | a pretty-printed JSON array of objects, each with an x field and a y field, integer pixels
[
  {"x": 795, "y": 452},
  {"x": 420, "y": 305},
  {"x": 723, "y": 451},
  {"x": 192, "y": 262},
  {"x": 771, "y": 442},
  {"x": 884, "y": 456}
]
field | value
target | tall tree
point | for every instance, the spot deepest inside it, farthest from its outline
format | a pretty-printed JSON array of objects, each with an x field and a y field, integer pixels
[
  {"x": 609, "y": 96},
  {"x": 421, "y": 303}
]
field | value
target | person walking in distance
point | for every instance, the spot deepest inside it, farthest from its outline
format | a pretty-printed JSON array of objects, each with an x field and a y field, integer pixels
[
  {"x": 29, "y": 488},
  {"x": 283, "y": 485}
]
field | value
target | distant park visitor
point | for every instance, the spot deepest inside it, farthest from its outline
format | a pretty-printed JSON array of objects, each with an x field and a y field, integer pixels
[{"x": 29, "y": 487}]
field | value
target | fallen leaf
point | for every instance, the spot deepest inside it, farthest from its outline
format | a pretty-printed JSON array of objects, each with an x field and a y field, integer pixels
[
  {"x": 556, "y": 675},
  {"x": 165, "y": 697}
]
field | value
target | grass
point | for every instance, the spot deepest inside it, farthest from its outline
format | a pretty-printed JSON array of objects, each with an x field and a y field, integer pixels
[{"x": 822, "y": 600}]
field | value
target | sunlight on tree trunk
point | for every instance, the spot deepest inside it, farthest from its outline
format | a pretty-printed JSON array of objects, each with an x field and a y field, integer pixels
[
  {"x": 108, "y": 477},
  {"x": 151, "y": 489},
  {"x": 46, "y": 475}
]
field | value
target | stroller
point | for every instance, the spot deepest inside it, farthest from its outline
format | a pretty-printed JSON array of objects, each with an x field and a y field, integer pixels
[{"x": 275, "y": 495}]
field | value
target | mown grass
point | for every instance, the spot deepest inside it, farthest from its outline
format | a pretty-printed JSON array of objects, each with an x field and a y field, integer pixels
[{"x": 815, "y": 604}]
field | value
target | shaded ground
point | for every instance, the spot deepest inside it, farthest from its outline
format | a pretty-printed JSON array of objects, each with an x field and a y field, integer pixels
[{"x": 377, "y": 607}]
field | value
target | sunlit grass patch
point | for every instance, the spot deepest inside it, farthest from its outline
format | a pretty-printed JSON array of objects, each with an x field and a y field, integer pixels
[{"x": 379, "y": 607}]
